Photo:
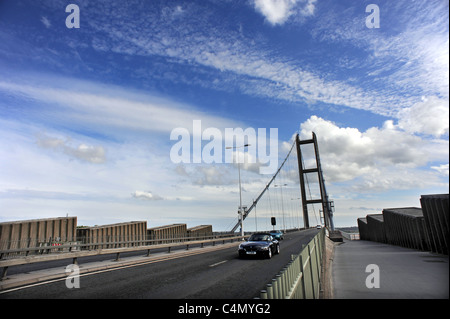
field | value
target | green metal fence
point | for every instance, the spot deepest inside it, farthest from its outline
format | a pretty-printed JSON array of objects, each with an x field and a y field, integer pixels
[{"x": 300, "y": 278}]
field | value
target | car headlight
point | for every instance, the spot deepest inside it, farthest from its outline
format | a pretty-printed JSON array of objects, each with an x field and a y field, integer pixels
[{"x": 264, "y": 248}]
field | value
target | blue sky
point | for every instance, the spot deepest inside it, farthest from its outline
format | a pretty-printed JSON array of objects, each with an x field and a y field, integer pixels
[{"x": 86, "y": 113}]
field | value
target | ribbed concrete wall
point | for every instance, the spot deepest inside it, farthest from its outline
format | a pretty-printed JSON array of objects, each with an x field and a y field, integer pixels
[
  {"x": 375, "y": 228},
  {"x": 113, "y": 235},
  {"x": 405, "y": 227},
  {"x": 33, "y": 233},
  {"x": 436, "y": 215},
  {"x": 200, "y": 231},
  {"x": 363, "y": 229},
  {"x": 171, "y": 233},
  {"x": 425, "y": 228}
]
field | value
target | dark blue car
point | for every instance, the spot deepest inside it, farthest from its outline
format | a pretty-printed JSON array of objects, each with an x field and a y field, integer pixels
[{"x": 259, "y": 244}]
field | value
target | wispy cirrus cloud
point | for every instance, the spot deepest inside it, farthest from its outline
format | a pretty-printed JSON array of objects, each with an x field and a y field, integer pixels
[
  {"x": 184, "y": 36},
  {"x": 46, "y": 22},
  {"x": 398, "y": 58},
  {"x": 106, "y": 107},
  {"x": 254, "y": 71},
  {"x": 409, "y": 50}
]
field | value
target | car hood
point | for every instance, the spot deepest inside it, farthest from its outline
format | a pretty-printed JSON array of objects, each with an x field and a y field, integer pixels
[{"x": 255, "y": 243}]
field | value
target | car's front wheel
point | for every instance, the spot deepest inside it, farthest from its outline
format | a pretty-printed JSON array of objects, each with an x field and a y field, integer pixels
[{"x": 269, "y": 253}]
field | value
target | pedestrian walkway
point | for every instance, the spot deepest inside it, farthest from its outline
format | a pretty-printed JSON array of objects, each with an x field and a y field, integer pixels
[{"x": 392, "y": 272}]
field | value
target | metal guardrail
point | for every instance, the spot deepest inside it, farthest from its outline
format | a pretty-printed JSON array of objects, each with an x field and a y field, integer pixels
[
  {"x": 20, "y": 248},
  {"x": 117, "y": 251},
  {"x": 300, "y": 278}
]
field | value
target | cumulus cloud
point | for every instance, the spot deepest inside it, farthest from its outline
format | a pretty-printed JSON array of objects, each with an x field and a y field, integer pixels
[
  {"x": 430, "y": 116},
  {"x": 443, "y": 169},
  {"x": 146, "y": 195},
  {"x": 278, "y": 11},
  {"x": 84, "y": 152},
  {"x": 377, "y": 159},
  {"x": 212, "y": 175}
]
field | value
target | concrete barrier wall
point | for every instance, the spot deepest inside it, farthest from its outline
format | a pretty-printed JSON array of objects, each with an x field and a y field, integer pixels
[
  {"x": 425, "y": 228},
  {"x": 37, "y": 232},
  {"x": 375, "y": 228},
  {"x": 22, "y": 238},
  {"x": 200, "y": 231},
  {"x": 405, "y": 227},
  {"x": 436, "y": 216},
  {"x": 363, "y": 229},
  {"x": 114, "y": 235},
  {"x": 167, "y": 233}
]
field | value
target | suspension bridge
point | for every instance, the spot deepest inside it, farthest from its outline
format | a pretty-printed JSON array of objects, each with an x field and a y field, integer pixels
[{"x": 280, "y": 199}]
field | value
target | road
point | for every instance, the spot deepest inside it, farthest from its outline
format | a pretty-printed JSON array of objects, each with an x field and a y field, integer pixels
[{"x": 214, "y": 275}]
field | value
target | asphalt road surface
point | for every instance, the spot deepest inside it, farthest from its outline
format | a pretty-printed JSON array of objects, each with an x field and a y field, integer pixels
[{"x": 214, "y": 275}]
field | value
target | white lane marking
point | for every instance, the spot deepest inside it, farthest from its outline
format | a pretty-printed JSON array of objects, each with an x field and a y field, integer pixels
[{"x": 219, "y": 263}]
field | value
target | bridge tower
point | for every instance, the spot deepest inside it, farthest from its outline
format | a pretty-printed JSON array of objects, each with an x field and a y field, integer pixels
[{"x": 327, "y": 205}]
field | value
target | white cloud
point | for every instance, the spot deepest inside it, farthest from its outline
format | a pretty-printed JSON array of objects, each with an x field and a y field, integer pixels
[
  {"x": 309, "y": 8},
  {"x": 89, "y": 153},
  {"x": 46, "y": 22},
  {"x": 443, "y": 169},
  {"x": 212, "y": 175},
  {"x": 252, "y": 69},
  {"x": 146, "y": 195},
  {"x": 279, "y": 11},
  {"x": 378, "y": 159},
  {"x": 410, "y": 53},
  {"x": 430, "y": 116},
  {"x": 416, "y": 57},
  {"x": 111, "y": 107},
  {"x": 275, "y": 11}
]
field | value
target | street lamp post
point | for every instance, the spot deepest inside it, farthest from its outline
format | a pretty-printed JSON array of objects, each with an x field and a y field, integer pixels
[
  {"x": 241, "y": 213},
  {"x": 282, "y": 206}
]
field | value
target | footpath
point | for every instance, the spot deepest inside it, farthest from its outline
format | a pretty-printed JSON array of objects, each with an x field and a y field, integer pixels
[{"x": 369, "y": 270}]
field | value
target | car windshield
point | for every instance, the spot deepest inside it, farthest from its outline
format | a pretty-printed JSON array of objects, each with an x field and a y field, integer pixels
[{"x": 259, "y": 237}]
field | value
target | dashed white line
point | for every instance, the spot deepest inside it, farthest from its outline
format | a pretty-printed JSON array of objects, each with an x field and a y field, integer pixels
[{"x": 219, "y": 263}]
